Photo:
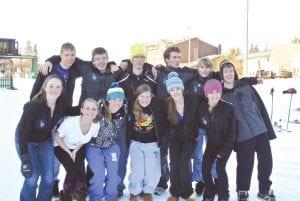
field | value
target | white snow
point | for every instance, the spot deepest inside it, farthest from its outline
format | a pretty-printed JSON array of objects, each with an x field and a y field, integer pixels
[{"x": 286, "y": 149}]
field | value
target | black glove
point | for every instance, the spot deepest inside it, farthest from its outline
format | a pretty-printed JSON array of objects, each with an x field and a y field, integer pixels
[{"x": 26, "y": 167}]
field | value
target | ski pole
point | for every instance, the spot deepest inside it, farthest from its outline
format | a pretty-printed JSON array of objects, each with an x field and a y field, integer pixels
[
  {"x": 272, "y": 92},
  {"x": 289, "y": 91},
  {"x": 288, "y": 120}
]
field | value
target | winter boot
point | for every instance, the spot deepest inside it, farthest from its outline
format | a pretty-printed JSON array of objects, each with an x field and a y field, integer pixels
[
  {"x": 171, "y": 198},
  {"x": 268, "y": 196},
  {"x": 55, "y": 190},
  {"x": 134, "y": 197},
  {"x": 243, "y": 196},
  {"x": 199, "y": 188},
  {"x": 147, "y": 196},
  {"x": 65, "y": 195}
]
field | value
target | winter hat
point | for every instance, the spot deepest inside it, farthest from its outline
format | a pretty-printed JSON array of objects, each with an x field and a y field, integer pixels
[
  {"x": 115, "y": 91},
  {"x": 212, "y": 85},
  {"x": 137, "y": 49},
  {"x": 227, "y": 63},
  {"x": 173, "y": 81}
]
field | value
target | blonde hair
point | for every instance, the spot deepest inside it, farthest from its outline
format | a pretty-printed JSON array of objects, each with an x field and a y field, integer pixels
[
  {"x": 96, "y": 119},
  {"x": 137, "y": 109}
]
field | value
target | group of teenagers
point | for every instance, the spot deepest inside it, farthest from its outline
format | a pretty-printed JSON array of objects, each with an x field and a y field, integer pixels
[{"x": 160, "y": 116}]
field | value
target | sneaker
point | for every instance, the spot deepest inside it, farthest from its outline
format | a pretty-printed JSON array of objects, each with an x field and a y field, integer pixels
[
  {"x": 269, "y": 196},
  {"x": 243, "y": 196},
  {"x": 159, "y": 190},
  {"x": 199, "y": 188},
  {"x": 55, "y": 190}
]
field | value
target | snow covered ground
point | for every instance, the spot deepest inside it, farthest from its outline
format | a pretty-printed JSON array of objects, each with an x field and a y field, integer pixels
[{"x": 286, "y": 149}]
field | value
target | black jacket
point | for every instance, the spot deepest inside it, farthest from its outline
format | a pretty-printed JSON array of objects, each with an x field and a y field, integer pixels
[
  {"x": 157, "y": 109},
  {"x": 129, "y": 82},
  {"x": 69, "y": 87},
  {"x": 94, "y": 83},
  {"x": 219, "y": 124},
  {"x": 36, "y": 123},
  {"x": 188, "y": 129},
  {"x": 185, "y": 74}
]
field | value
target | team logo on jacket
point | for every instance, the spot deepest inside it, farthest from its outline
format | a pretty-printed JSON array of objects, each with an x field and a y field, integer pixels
[
  {"x": 94, "y": 77},
  {"x": 204, "y": 120},
  {"x": 40, "y": 124}
]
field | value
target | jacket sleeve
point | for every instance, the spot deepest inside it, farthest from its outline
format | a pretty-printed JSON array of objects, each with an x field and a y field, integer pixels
[
  {"x": 55, "y": 59},
  {"x": 231, "y": 135},
  {"x": 264, "y": 113},
  {"x": 24, "y": 128},
  {"x": 250, "y": 80}
]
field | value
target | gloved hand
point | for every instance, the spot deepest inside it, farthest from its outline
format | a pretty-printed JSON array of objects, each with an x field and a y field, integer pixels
[{"x": 26, "y": 167}]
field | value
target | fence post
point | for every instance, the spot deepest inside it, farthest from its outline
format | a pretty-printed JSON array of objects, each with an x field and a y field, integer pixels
[{"x": 11, "y": 85}]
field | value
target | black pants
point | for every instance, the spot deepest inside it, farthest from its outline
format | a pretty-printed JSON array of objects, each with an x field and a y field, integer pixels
[
  {"x": 209, "y": 157},
  {"x": 180, "y": 169},
  {"x": 75, "y": 171},
  {"x": 245, "y": 160},
  {"x": 165, "y": 172}
]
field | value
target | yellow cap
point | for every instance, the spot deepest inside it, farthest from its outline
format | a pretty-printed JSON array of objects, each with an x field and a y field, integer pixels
[{"x": 137, "y": 49}]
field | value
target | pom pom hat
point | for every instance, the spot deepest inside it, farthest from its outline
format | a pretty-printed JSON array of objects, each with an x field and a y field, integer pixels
[
  {"x": 137, "y": 50},
  {"x": 173, "y": 81},
  {"x": 115, "y": 91},
  {"x": 212, "y": 85}
]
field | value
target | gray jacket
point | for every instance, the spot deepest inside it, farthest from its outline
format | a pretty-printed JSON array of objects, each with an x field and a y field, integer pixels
[{"x": 250, "y": 121}]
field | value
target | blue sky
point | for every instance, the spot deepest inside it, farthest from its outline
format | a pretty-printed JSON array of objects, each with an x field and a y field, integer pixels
[{"x": 117, "y": 24}]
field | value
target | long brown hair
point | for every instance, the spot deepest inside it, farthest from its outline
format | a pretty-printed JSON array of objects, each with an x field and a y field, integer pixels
[
  {"x": 107, "y": 113},
  {"x": 137, "y": 109},
  {"x": 171, "y": 111},
  {"x": 40, "y": 97}
]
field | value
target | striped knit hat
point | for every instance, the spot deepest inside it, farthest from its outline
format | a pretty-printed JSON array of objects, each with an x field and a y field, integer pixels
[{"x": 115, "y": 91}]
